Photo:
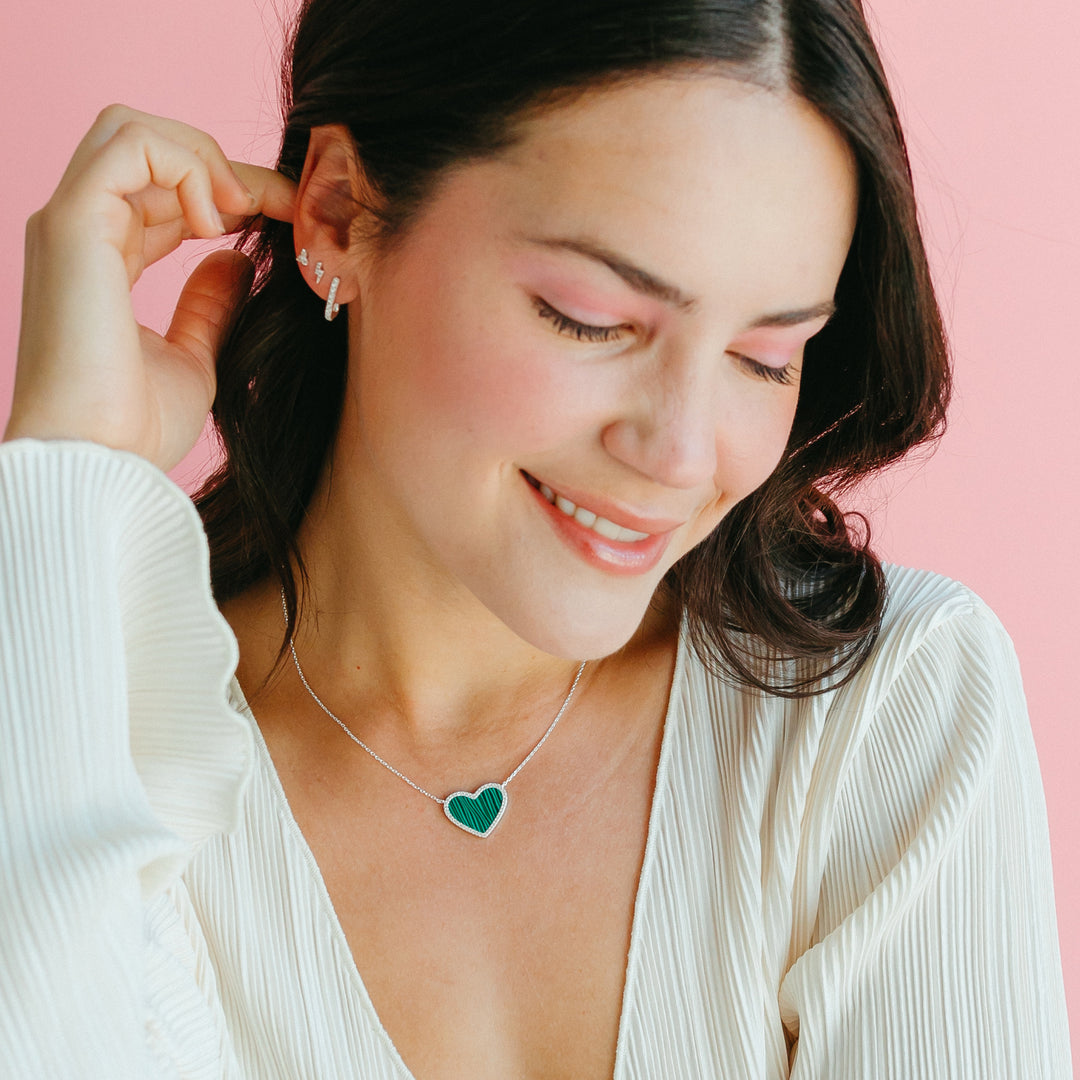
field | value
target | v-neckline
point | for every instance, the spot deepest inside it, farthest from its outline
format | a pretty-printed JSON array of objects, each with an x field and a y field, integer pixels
[{"x": 337, "y": 931}]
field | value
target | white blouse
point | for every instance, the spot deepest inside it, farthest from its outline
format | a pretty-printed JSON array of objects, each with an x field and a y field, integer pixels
[{"x": 864, "y": 875}]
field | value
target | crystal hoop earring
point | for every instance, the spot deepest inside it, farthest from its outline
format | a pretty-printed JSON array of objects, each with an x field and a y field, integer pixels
[{"x": 332, "y": 308}]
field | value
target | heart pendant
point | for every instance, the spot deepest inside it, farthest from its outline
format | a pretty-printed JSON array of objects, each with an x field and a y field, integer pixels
[{"x": 477, "y": 812}]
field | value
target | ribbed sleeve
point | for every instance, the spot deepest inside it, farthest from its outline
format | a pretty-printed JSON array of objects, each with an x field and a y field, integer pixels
[
  {"x": 934, "y": 950},
  {"x": 120, "y": 752}
]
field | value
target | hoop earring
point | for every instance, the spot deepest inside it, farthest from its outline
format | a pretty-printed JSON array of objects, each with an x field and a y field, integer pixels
[{"x": 332, "y": 308}]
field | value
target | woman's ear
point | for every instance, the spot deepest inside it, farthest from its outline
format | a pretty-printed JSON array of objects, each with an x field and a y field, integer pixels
[{"x": 330, "y": 199}]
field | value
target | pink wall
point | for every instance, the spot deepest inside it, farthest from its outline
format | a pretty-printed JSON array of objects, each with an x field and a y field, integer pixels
[{"x": 991, "y": 96}]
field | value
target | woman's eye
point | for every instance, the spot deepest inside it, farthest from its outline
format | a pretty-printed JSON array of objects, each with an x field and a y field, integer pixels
[
  {"x": 582, "y": 331},
  {"x": 785, "y": 375}
]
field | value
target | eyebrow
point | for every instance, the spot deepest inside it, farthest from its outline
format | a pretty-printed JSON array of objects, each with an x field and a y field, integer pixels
[{"x": 650, "y": 285}]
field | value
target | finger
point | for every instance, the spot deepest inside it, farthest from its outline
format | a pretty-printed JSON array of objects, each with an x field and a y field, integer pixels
[
  {"x": 137, "y": 157},
  {"x": 160, "y": 207},
  {"x": 209, "y": 298},
  {"x": 274, "y": 194},
  {"x": 105, "y": 126},
  {"x": 161, "y": 240},
  {"x": 155, "y": 206},
  {"x": 114, "y": 118},
  {"x": 165, "y": 229}
]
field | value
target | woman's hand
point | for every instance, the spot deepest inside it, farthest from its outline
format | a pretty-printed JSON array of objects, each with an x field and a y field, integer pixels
[{"x": 136, "y": 187}]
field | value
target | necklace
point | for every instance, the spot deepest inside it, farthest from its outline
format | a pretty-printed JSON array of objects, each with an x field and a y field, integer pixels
[{"x": 477, "y": 812}]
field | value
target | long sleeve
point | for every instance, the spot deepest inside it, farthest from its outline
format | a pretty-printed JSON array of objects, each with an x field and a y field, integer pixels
[
  {"x": 934, "y": 951},
  {"x": 120, "y": 753}
]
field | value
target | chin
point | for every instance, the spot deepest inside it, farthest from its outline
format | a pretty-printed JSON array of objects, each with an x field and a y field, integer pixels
[{"x": 581, "y": 634}]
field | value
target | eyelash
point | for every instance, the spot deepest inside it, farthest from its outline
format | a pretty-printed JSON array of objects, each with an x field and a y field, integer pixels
[
  {"x": 582, "y": 331},
  {"x": 785, "y": 375}
]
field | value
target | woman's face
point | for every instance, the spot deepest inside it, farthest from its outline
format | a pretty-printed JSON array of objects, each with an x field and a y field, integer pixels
[{"x": 611, "y": 314}]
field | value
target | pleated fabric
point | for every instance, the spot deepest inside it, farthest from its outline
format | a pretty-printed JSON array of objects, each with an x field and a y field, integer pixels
[{"x": 853, "y": 886}]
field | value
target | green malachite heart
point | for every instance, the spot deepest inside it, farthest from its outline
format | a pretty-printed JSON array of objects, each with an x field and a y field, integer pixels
[{"x": 477, "y": 812}]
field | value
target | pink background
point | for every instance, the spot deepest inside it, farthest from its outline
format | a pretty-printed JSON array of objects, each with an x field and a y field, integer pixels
[{"x": 991, "y": 98}]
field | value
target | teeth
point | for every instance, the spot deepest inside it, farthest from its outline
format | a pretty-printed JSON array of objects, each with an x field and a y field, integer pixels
[
  {"x": 610, "y": 529},
  {"x": 605, "y": 528}
]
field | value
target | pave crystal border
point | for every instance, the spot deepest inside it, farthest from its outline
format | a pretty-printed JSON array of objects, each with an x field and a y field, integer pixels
[{"x": 476, "y": 795}]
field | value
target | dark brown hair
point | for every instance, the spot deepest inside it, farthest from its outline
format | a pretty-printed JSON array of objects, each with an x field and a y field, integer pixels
[{"x": 785, "y": 595}]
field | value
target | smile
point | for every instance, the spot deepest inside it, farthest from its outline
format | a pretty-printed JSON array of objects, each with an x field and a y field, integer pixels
[
  {"x": 605, "y": 544},
  {"x": 601, "y": 525}
]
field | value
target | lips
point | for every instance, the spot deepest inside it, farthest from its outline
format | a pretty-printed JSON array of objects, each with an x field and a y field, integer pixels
[
  {"x": 629, "y": 551},
  {"x": 590, "y": 520},
  {"x": 602, "y": 509}
]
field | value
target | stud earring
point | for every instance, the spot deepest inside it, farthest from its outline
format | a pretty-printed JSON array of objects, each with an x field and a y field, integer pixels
[
  {"x": 319, "y": 271},
  {"x": 331, "y": 307},
  {"x": 302, "y": 258}
]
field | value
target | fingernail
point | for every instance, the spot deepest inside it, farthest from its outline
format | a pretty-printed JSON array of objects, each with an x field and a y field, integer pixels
[
  {"x": 220, "y": 224},
  {"x": 252, "y": 201}
]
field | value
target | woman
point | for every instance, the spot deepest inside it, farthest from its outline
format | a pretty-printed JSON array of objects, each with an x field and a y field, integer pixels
[{"x": 570, "y": 322}]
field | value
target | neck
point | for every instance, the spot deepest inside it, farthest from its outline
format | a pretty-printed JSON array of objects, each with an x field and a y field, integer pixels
[
  {"x": 387, "y": 636},
  {"x": 379, "y": 629}
]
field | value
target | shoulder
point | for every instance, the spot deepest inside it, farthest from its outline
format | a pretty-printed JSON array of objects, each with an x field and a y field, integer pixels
[
  {"x": 920, "y": 601},
  {"x": 928, "y": 611},
  {"x": 941, "y": 684},
  {"x": 942, "y": 661},
  {"x": 924, "y": 611},
  {"x": 929, "y": 720}
]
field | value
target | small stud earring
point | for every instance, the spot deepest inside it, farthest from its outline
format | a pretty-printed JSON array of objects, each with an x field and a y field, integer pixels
[
  {"x": 302, "y": 258},
  {"x": 319, "y": 271},
  {"x": 332, "y": 308}
]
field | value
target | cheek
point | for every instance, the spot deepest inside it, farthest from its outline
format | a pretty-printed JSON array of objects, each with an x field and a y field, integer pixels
[
  {"x": 492, "y": 386},
  {"x": 750, "y": 444},
  {"x": 753, "y": 435}
]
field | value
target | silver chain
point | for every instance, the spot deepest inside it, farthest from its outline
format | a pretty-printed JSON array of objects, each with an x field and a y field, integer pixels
[{"x": 386, "y": 764}]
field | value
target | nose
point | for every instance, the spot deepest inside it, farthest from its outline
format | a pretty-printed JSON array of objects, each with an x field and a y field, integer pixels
[{"x": 670, "y": 429}]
